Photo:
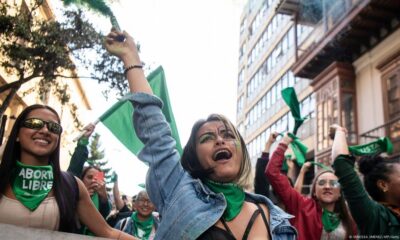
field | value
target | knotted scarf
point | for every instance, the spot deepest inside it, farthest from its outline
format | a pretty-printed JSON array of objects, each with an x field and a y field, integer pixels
[
  {"x": 330, "y": 220},
  {"x": 233, "y": 194},
  {"x": 32, "y": 184},
  {"x": 142, "y": 229}
]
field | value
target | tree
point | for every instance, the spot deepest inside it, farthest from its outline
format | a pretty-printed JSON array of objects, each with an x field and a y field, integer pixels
[
  {"x": 96, "y": 158},
  {"x": 49, "y": 50}
]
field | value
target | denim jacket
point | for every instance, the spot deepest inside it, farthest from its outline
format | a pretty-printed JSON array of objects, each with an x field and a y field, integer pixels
[{"x": 186, "y": 206}]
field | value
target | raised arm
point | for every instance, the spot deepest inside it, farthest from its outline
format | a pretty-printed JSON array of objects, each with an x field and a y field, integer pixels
[
  {"x": 280, "y": 182},
  {"x": 298, "y": 186},
  {"x": 352, "y": 187},
  {"x": 81, "y": 152},
  {"x": 339, "y": 145},
  {"x": 261, "y": 184},
  {"x": 159, "y": 151},
  {"x": 119, "y": 204},
  {"x": 127, "y": 52}
]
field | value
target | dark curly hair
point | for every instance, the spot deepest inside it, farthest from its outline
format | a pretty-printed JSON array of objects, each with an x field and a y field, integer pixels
[{"x": 374, "y": 168}]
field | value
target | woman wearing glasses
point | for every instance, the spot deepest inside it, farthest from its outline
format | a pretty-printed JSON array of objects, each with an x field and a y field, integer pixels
[
  {"x": 324, "y": 215},
  {"x": 34, "y": 192}
]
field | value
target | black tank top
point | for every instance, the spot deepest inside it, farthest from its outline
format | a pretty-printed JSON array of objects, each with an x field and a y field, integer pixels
[{"x": 216, "y": 233}]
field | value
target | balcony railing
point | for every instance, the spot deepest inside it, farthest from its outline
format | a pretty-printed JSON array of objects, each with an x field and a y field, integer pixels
[{"x": 390, "y": 129}]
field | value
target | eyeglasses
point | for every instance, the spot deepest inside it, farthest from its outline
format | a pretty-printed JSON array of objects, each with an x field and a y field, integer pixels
[
  {"x": 36, "y": 123},
  {"x": 143, "y": 201},
  {"x": 332, "y": 183}
]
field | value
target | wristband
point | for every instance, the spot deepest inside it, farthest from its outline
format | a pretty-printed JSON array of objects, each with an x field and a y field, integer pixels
[{"x": 132, "y": 67}]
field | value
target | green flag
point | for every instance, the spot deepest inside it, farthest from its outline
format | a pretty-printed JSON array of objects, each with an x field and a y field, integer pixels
[
  {"x": 383, "y": 144},
  {"x": 99, "y": 6},
  {"x": 118, "y": 119},
  {"x": 290, "y": 97}
]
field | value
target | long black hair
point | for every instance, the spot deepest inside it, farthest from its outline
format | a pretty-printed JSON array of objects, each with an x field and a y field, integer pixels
[
  {"x": 190, "y": 160},
  {"x": 12, "y": 153}
]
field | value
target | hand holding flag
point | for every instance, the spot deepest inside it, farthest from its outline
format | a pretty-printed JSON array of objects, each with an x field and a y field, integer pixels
[
  {"x": 118, "y": 118},
  {"x": 101, "y": 7}
]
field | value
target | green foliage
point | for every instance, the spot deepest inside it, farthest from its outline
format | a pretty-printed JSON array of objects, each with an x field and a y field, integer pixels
[
  {"x": 49, "y": 50},
  {"x": 95, "y": 148}
]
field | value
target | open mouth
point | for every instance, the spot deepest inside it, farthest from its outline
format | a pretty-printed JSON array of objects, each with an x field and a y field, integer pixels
[{"x": 222, "y": 154}]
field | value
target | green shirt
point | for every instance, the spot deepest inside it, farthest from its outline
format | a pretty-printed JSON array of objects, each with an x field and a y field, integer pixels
[{"x": 373, "y": 219}]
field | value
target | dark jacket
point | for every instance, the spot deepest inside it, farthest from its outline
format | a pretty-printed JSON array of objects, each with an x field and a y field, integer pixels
[
  {"x": 76, "y": 164},
  {"x": 261, "y": 184},
  {"x": 373, "y": 219}
]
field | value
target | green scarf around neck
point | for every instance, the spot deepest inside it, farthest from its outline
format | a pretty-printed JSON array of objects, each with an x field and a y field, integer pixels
[
  {"x": 95, "y": 201},
  {"x": 330, "y": 220},
  {"x": 142, "y": 229},
  {"x": 233, "y": 194},
  {"x": 32, "y": 184}
]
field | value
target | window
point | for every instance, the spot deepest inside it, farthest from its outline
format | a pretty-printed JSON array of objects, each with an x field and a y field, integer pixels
[{"x": 391, "y": 91}]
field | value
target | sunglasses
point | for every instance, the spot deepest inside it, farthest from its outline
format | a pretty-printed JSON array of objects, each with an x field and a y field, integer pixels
[
  {"x": 332, "y": 183},
  {"x": 36, "y": 123}
]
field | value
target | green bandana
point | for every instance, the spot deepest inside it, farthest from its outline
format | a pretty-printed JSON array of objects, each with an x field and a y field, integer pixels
[
  {"x": 142, "y": 229},
  {"x": 114, "y": 177},
  {"x": 381, "y": 145},
  {"x": 290, "y": 98},
  {"x": 321, "y": 166},
  {"x": 330, "y": 220},
  {"x": 83, "y": 141},
  {"x": 285, "y": 167},
  {"x": 32, "y": 184},
  {"x": 299, "y": 149},
  {"x": 95, "y": 200},
  {"x": 233, "y": 194}
]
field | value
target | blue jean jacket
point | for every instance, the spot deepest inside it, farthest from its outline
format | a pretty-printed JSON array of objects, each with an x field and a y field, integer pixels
[{"x": 187, "y": 207}]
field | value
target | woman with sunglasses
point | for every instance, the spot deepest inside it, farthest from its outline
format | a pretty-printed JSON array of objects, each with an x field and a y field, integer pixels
[
  {"x": 376, "y": 210},
  {"x": 199, "y": 195},
  {"x": 34, "y": 192},
  {"x": 324, "y": 215}
]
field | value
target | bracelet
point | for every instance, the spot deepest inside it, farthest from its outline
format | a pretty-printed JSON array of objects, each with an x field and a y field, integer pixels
[{"x": 132, "y": 67}]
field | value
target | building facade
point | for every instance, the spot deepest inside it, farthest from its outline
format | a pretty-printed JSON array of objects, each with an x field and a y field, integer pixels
[
  {"x": 343, "y": 59},
  {"x": 266, "y": 55},
  {"x": 27, "y": 95}
]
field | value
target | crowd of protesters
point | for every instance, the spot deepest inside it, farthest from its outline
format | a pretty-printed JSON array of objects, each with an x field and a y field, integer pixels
[{"x": 202, "y": 193}]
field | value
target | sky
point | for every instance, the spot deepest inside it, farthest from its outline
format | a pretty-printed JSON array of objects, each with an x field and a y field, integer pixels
[{"x": 197, "y": 44}]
